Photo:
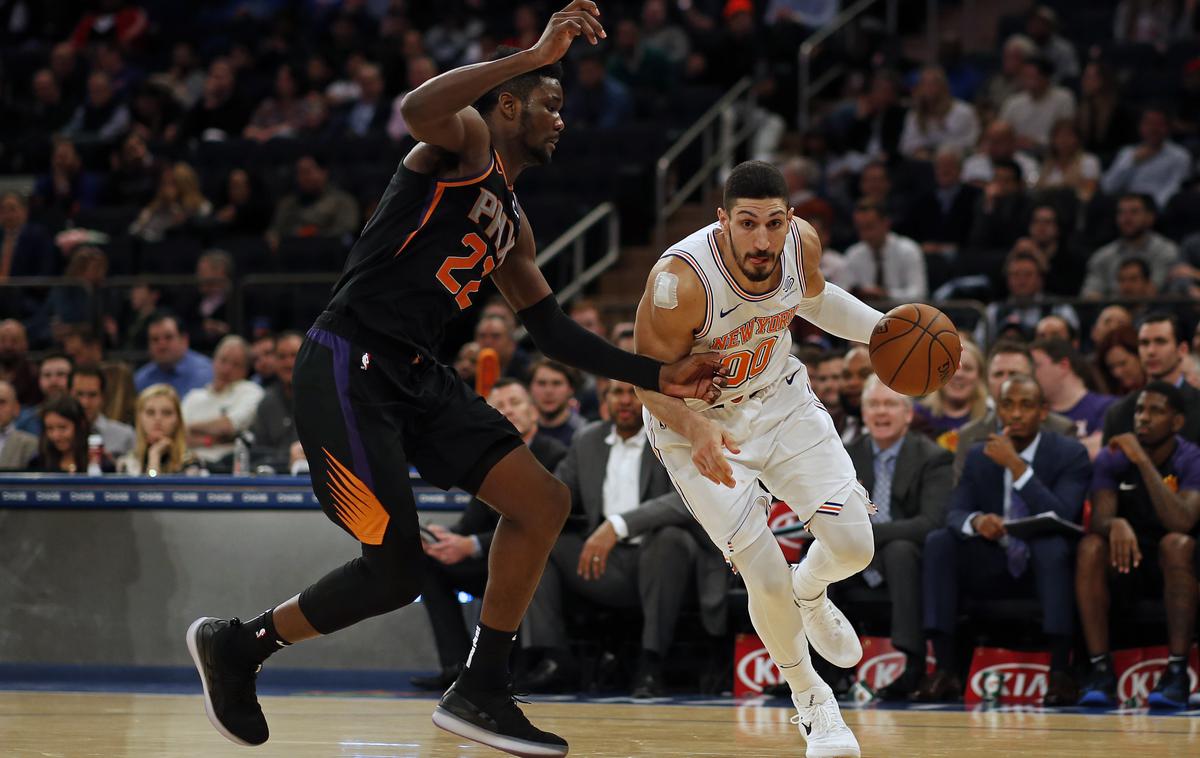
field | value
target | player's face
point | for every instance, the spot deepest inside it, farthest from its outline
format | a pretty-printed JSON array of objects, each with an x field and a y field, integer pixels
[
  {"x": 541, "y": 122},
  {"x": 624, "y": 408},
  {"x": 59, "y": 431},
  {"x": 756, "y": 230},
  {"x": 1021, "y": 409},
  {"x": 1154, "y": 420}
]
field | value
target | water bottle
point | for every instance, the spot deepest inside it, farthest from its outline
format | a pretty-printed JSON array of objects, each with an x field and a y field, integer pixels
[
  {"x": 993, "y": 687},
  {"x": 95, "y": 457},
  {"x": 241, "y": 454}
]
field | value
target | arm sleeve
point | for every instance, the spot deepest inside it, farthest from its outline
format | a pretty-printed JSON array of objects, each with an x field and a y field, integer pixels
[
  {"x": 840, "y": 313},
  {"x": 560, "y": 338}
]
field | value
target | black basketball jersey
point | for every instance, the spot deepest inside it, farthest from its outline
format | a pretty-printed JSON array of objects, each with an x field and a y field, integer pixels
[{"x": 423, "y": 254}]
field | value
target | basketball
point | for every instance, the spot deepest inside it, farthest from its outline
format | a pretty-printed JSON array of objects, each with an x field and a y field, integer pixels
[{"x": 915, "y": 349}]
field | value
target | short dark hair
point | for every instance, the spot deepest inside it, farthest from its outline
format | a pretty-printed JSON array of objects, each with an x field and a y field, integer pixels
[
  {"x": 829, "y": 355},
  {"x": 1158, "y": 317},
  {"x": 1057, "y": 350},
  {"x": 58, "y": 355},
  {"x": 559, "y": 368},
  {"x": 89, "y": 370},
  {"x": 754, "y": 180},
  {"x": 520, "y": 86},
  {"x": 160, "y": 316},
  {"x": 1140, "y": 263},
  {"x": 1009, "y": 164},
  {"x": 1009, "y": 347},
  {"x": 508, "y": 381},
  {"x": 1170, "y": 392},
  {"x": 1042, "y": 63},
  {"x": 1146, "y": 200}
]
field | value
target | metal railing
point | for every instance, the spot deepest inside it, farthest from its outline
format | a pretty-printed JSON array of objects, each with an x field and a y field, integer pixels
[
  {"x": 667, "y": 197},
  {"x": 574, "y": 238},
  {"x": 810, "y": 89}
]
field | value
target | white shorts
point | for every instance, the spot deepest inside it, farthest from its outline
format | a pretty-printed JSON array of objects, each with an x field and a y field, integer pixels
[{"x": 788, "y": 445}]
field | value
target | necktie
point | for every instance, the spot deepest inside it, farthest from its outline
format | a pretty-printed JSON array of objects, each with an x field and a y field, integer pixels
[
  {"x": 1018, "y": 551},
  {"x": 882, "y": 496}
]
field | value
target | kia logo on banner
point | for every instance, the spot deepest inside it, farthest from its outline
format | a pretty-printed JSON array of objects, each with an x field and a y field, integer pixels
[
  {"x": 780, "y": 515},
  {"x": 753, "y": 667},
  {"x": 882, "y": 670},
  {"x": 1022, "y": 681},
  {"x": 1138, "y": 680}
]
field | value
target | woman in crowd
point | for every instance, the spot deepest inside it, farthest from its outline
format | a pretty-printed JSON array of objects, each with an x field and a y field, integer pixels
[
  {"x": 961, "y": 400},
  {"x": 1067, "y": 165},
  {"x": 177, "y": 203},
  {"x": 1117, "y": 363},
  {"x": 247, "y": 210},
  {"x": 161, "y": 445},
  {"x": 63, "y": 446}
]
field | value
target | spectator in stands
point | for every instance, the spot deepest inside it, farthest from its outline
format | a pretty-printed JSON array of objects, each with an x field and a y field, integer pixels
[
  {"x": 1000, "y": 215},
  {"x": 658, "y": 33},
  {"x": 1025, "y": 277},
  {"x": 587, "y": 314},
  {"x": 246, "y": 209},
  {"x": 283, "y": 114},
  {"x": 942, "y": 217},
  {"x": 597, "y": 100},
  {"x": 458, "y": 560},
  {"x": 1152, "y": 23},
  {"x": 1162, "y": 348},
  {"x": 25, "y": 248},
  {"x": 856, "y": 369},
  {"x": 67, "y": 189},
  {"x": 161, "y": 446},
  {"x": 1116, "y": 361},
  {"x": 54, "y": 378},
  {"x": 144, "y": 299},
  {"x": 466, "y": 360},
  {"x": 496, "y": 331},
  {"x": 1066, "y": 163},
  {"x": 884, "y": 264},
  {"x": 263, "y": 354},
  {"x": 958, "y": 402},
  {"x": 1135, "y": 225},
  {"x": 875, "y": 186},
  {"x": 909, "y": 478},
  {"x": 62, "y": 444},
  {"x": 69, "y": 72},
  {"x": 1065, "y": 262},
  {"x": 48, "y": 110},
  {"x": 1038, "y": 106},
  {"x": 999, "y": 143},
  {"x": 367, "y": 114},
  {"x": 135, "y": 174},
  {"x": 936, "y": 119},
  {"x": 1055, "y": 327},
  {"x": 1133, "y": 281},
  {"x": 635, "y": 64},
  {"x": 214, "y": 415},
  {"x": 177, "y": 205},
  {"x": 552, "y": 386},
  {"x": 636, "y": 547},
  {"x": 101, "y": 117},
  {"x": 274, "y": 429},
  {"x": 418, "y": 71},
  {"x": 1019, "y": 472},
  {"x": 171, "y": 360},
  {"x": 1110, "y": 318},
  {"x": 878, "y": 119},
  {"x": 220, "y": 114},
  {"x": 209, "y": 312},
  {"x": 1042, "y": 28},
  {"x": 1146, "y": 498},
  {"x": 1156, "y": 166},
  {"x": 184, "y": 79},
  {"x": 15, "y": 366},
  {"x": 826, "y": 377},
  {"x": 153, "y": 111},
  {"x": 1007, "y": 81},
  {"x": 126, "y": 24},
  {"x": 1063, "y": 375},
  {"x": 17, "y": 448},
  {"x": 1106, "y": 121},
  {"x": 316, "y": 208},
  {"x": 88, "y": 386},
  {"x": 86, "y": 348}
]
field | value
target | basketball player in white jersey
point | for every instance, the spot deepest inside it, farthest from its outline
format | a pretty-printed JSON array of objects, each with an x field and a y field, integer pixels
[{"x": 734, "y": 287}]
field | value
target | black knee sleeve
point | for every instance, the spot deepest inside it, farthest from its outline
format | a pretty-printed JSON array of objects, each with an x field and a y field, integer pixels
[{"x": 379, "y": 582}]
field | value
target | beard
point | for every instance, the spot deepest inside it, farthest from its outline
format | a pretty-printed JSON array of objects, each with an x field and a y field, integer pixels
[
  {"x": 538, "y": 154},
  {"x": 753, "y": 273}
]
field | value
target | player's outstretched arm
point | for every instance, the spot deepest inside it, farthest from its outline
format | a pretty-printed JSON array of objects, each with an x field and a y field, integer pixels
[
  {"x": 559, "y": 337},
  {"x": 827, "y": 305},
  {"x": 671, "y": 310},
  {"x": 439, "y": 112}
]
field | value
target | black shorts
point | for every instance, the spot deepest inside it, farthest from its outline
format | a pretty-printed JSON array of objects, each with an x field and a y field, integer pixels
[
  {"x": 1142, "y": 583},
  {"x": 362, "y": 416}
]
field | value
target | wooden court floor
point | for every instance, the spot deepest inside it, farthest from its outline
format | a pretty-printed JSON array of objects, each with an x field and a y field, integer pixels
[{"x": 71, "y": 725}]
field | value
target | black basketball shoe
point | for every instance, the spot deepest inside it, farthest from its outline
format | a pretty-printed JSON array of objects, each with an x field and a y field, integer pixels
[
  {"x": 229, "y": 696},
  {"x": 493, "y": 719}
]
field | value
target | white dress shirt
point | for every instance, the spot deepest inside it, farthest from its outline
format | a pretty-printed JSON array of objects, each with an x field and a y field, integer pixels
[
  {"x": 622, "y": 478},
  {"x": 903, "y": 267},
  {"x": 238, "y": 402},
  {"x": 1009, "y": 485}
]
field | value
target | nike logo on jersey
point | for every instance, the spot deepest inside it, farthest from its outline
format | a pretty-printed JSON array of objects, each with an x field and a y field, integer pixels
[
  {"x": 731, "y": 310},
  {"x": 792, "y": 378}
]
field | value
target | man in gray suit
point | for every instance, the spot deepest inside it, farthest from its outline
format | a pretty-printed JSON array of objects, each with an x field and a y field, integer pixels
[
  {"x": 1005, "y": 359},
  {"x": 637, "y": 547},
  {"x": 17, "y": 448},
  {"x": 908, "y": 476}
]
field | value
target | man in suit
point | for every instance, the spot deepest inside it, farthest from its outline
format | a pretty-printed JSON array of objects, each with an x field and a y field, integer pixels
[
  {"x": 637, "y": 548},
  {"x": 942, "y": 217},
  {"x": 1006, "y": 360},
  {"x": 1162, "y": 350},
  {"x": 1018, "y": 472},
  {"x": 908, "y": 476},
  {"x": 458, "y": 560},
  {"x": 17, "y": 448}
]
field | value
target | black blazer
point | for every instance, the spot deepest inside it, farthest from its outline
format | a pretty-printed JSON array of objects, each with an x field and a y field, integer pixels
[
  {"x": 920, "y": 487},
  {"x": 927, "y": 222}
]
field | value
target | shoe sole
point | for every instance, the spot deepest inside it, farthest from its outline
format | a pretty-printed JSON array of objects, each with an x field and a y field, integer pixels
[
  {"x": 1161, "y": 703},
  {"x": 192, "y": 632},
  {"x": 833, "y": 752},
  {"x": 444, "y": 719},
  {"x": 850, "y": 659}
]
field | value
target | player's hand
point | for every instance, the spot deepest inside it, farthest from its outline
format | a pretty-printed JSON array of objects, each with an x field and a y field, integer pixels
[
  {"x": 1123, "y": 551},
  {"x": 450, "y": 548},
  {"x": 989, "y": 526},
  {"x": 709, "y": 443},
  {"x": 593, "y": 559},
  {"x": 580, "y": 17},
  {"x": 1128, "y": 444},
  {"x": 700, "y": 375}
]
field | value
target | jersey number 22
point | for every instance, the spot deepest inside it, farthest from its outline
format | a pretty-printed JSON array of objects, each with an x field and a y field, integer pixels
[{"x": 462, "y": 292}]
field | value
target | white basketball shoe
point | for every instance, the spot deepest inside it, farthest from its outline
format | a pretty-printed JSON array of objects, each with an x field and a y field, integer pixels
[
  {"x": 820, "y": 721},
  {"x": 830, "y": 632}
]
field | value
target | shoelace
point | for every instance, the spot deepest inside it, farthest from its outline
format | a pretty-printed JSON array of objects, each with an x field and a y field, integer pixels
[{"x": 823, "y": 718}]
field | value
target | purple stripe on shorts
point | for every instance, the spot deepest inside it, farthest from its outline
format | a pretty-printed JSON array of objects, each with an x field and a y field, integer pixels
[{"x": 341, "y": 379}]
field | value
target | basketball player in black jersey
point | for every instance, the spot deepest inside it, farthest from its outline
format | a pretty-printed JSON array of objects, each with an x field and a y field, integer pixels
[{"x": 370, "y": 398}]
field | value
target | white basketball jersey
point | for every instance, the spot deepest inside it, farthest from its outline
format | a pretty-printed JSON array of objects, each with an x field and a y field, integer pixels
[{"x": 749, "y": 331}]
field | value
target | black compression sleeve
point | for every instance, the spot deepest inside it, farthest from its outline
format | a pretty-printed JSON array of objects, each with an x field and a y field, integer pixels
[{"x": 560, "y": 338}]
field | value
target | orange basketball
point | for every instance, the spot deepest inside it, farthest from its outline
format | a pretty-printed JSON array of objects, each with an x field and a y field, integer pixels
[{"x": 915, "y": 349}]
